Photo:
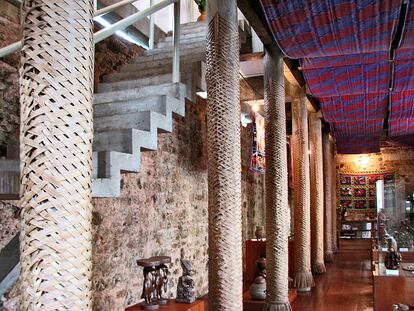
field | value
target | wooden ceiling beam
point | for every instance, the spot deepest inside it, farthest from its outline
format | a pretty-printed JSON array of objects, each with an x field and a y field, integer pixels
[{"x": 253, "y": 13}]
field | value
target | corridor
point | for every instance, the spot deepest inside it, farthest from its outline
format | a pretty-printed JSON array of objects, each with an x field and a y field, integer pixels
[{"x": 347, "y": 286}]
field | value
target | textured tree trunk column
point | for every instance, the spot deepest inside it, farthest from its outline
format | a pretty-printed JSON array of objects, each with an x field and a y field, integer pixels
[
  {"x": 276, "y": 182},
  {"x": 334, "y": 204},
  {"x": 328, "y": 207},
  {"x": 303, "y": 279},
  {"x": 316, "y": 190},
  {"x": 224, "y": 179},
  {"x": 56, "y": 154}
]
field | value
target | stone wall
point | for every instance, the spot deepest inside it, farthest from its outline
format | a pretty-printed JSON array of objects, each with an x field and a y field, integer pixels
[
  {"x": 9, "y": 83},
  {"x": 9, "y": 222},
  {"x": 400, "y": 160},
  {"x": 162, "y": 210}
]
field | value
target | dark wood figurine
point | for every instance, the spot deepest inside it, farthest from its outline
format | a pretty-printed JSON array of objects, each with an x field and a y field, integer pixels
[
  {"x": 186, "y": 284},
  {"x": 155, "y": 281}
]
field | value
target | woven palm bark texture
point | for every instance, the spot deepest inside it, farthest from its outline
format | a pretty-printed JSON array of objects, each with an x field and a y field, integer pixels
[
  {"x": 316, "y": 190},
  {"x": 333, "y": 191},
  {"x": 276, "y": 185},
  {"x": 56, "y": 154},
  {"x": 224, "y": 166},
  {"x": 327, "y": 180},
  {"x": 303, "y": 278}
]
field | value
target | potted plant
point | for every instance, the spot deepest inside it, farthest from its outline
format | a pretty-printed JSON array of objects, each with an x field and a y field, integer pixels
[{"x": 202, "y": 9}]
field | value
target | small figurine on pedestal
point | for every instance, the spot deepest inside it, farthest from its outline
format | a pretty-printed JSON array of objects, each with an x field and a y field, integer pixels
[
  {"x": 149, "y": 286},
  {"x": 393, "y": 257},
  {"x": 186, "y": 284},
  {"x": 155, "y": 281},
  {"x": 162, "y": 278}
]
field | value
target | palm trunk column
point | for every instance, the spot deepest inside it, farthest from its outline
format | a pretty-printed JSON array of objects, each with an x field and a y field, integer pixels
[
  {"x": 316, "y": 190},
  {"x": 335, "y": 215},
  {"x": 276, "y": 183},
  {"x": 223, "y": 136},
  {"x": 328, "y": 207},
  {"x": 303, "y": 279},
  {"x": 56, "y": 154}
]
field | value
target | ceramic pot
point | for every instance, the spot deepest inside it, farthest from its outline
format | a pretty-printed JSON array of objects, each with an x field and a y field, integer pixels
[
  {"x": 260, "y": 233},
  {"x": 202, "y": 17},
  {"x": 258, "y": 289}
]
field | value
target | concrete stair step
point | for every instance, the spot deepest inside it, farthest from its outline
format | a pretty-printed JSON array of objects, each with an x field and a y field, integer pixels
[
  {"x": 125, "y": 141},
  {"x": 145, "y": 121},
  {"x": 176, "y": 90},
  {"x": 141, "y": 73},
  {"x": 162, "y": 104},
  {"x": 168, "y": 41},
  {"x": 189, "y": 78},
  {"x": 191, "y": 28},
  {"x": 9, "y": 260},
  {"x": 150, "y": 64},
  {"x": 135, "y": 83},
  {"x": 168, "y": 53},
  {"x": 184, "y": 49},
  {"x": 112, "y": 164},
  {"x": 189, "y": 36},
  {"x": 9, "y": 179}
]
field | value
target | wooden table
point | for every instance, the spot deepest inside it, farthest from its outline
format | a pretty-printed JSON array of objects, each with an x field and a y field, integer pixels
[{"x": 198, "y": 305}]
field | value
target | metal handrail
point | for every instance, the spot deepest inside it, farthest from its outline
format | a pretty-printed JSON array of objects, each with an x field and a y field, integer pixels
[
  {"x": 129, "y": 20},
  {"x": 124, "y": 23},
  {"x": 113, "y": 7}
]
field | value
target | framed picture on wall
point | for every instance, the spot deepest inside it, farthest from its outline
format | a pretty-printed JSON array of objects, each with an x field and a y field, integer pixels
[
  {"x": 360, "y": 204},
  {"x": 357, "y": 191},
  {"x": 360, "y": 192}
]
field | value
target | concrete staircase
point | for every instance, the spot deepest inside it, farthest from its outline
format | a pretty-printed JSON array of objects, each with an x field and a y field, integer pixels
[
  {"x": 138, "y": 101},
  {"x": 131, "y": 106}
]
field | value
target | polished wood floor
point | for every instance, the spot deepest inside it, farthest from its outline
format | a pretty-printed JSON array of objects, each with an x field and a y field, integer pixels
[{"x": 347, "y": 286}]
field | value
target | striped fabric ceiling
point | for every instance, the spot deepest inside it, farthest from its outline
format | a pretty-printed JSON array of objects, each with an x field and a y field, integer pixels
[{"x": 344, "y": 48}]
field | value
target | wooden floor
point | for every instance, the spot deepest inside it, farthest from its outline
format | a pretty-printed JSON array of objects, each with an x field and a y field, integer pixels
[{"x": 347, "y": 286}]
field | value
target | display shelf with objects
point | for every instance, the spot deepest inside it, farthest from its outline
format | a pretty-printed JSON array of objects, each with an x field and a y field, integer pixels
[
  {"x": 392, "y": 288},
  {"x": 358, "y": 229}
]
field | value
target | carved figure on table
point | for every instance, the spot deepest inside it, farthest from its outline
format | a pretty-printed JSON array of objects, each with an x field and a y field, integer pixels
[
  {"x": 186, "y": 284},
  {"x": 161, "y": 283},
  {"x": 149, "y": 285},
  {"x": 393, "y": 257},
  {"x": 151, "y": 279}
]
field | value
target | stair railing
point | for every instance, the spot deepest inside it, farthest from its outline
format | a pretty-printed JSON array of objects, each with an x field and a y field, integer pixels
[{"x": 126, "y": 22}]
